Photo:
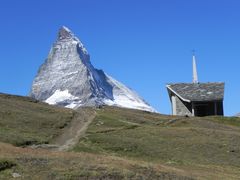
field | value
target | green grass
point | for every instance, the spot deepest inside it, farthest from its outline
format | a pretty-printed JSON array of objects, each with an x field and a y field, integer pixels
[
  {"x": 24, "y": 121},
  {"x": 119, "y": 144},
  {"x": 177, "y": 141},
  {"x": 233, "y": 121}
]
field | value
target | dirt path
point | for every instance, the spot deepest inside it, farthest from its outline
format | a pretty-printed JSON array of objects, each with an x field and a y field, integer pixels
[{"x": 75, "y": 131}]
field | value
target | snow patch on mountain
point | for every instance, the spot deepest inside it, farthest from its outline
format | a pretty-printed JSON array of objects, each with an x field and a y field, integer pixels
[
  {"x": 63, "y": 97},
  {"x": 124, "y": 97},
  {"x": 60, "y": 96}
]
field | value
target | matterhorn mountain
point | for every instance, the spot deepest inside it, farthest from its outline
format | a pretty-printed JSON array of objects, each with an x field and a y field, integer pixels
[{"x": 67, "y": 78}]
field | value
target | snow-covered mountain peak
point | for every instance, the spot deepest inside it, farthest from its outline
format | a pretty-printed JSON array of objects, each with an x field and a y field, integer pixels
[{"x": 67, "y": 78}]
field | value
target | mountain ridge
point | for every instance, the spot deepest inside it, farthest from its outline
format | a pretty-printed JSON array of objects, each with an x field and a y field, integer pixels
[{"x": 67, "y": 78}]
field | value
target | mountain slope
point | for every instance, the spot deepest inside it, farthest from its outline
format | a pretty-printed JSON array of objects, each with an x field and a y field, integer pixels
[{"x": 67, "y": 78}]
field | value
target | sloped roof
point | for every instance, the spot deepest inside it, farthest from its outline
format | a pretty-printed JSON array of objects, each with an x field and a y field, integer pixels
[{"x": 198, "y": 91}]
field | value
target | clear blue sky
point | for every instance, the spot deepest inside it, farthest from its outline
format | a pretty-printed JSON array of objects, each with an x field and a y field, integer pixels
[{"x": 142, "y": 43}]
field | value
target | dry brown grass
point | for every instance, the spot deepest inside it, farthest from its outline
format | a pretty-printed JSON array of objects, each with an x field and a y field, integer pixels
[
  {"x": 41, "y": 164},
  {"x": 44, "y": 164}
]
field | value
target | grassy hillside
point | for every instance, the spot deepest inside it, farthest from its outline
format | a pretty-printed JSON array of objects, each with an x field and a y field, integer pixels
[
  {"x": 118, "y": 144},
  {"x": 43, "y": 164},
  {"x": 24, "y": 121},
  {"x": 208, "y": 145}
]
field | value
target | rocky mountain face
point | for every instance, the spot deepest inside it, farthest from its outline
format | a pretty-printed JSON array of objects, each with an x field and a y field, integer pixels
[{"x": 67, "y": 78}]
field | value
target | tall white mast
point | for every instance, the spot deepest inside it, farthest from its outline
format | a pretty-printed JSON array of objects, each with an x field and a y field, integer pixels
[{"x": 195, "y": 75}]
